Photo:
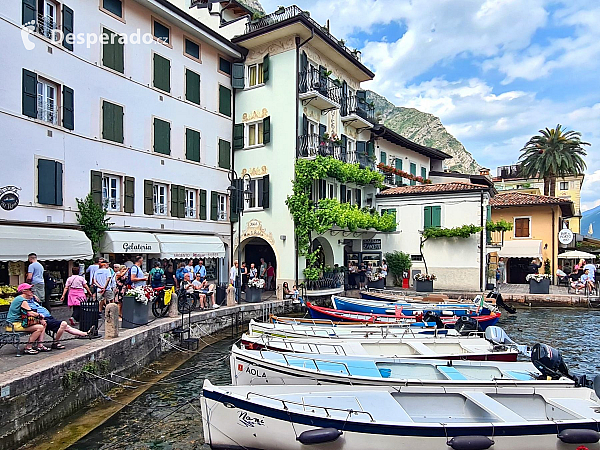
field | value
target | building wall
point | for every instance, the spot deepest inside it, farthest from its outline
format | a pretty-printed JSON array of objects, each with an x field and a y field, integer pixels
[
  {"x": 408, "y": 156},
  {"x": 213, "y": 20}
]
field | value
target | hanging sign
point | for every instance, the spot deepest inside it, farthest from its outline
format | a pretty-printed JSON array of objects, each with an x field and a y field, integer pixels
[
  {"x": 9, "y": 197},
  {"x": 565, "y": 236},
  {"x": 371, "y": 244}
]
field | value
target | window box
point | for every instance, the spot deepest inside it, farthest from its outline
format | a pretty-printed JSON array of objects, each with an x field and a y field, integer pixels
[
  {"x": 539, "y": 287},
  {"x": 423, "y": 286}
]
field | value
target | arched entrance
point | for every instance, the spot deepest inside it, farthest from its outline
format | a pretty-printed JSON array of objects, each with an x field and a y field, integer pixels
[
  {"x": 325, "y": 255},
  {"x": 254, "y": 249}
]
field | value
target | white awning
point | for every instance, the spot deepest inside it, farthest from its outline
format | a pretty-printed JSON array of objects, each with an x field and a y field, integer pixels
[
  {"x": 525, "y": 248},
  {"x": 190, "y": 246},
  {"x": 50, "y": 244},
  {"x": 129, "y": 242},
  {"x": 576, "y": 254}
]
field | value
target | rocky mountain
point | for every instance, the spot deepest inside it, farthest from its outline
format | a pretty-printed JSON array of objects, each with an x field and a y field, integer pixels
[
  {"x": 253, "y": 5},
  {"x": 424, "y": 129}
]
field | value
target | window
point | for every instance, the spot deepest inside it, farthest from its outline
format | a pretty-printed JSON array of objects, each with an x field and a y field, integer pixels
[
  {"x": 46, "y": 14},
  {"x": 259, "y": 199},
  {"x": 47, "y": 103},
  {"x": 111, "y": 192},
  {"x": 190, "y": 203},
  {"x": 350, "y": 146},
  {"x": 48, "y": 19},
  {"x": 112, "y": 122},
  {"x": 348, "y": 195},
  {"x": 522, "y": 228},
  {"x": 255, "y": 134},
  {"x": 432, "y": 217},
  {"x": 224, "y": 66},
  {"x": 49, "y": 182},
  {"x": 114, "y": 7},
  {"x": 224, "y": 154},
  {"x": 113, "y": 51},
  {"x": 159, "y": 192},
  {"x": 564, "y": 186},
  {"x": 192, "y": 87},
  {"x": 224, "y": 101},
  {"x": 192, "y": 145},
  {"x": 162, "y": 73},
  {"x": 162, "y": 136},
  {"x": 161, "y": 32},
  {"x": 383, "y": 157},
  {"x": 423, "y": 173},
  {"x": 255, "y": 74},
  {"x": 192, "y": 49},
  {"x": 222, "y": 207},
  {"x": 331, "y": 190}
]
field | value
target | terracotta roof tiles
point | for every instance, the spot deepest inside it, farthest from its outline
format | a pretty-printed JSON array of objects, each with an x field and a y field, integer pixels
[
  {"x": 439, "y": 188},
  {"x": 505, "y": 199}
]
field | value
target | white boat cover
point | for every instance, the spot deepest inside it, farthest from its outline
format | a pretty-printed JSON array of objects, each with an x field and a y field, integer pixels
[
  {"x": 129, "y": 242},
  {"x": 50, "y": 244},
  {"x": 190, "y": 246},
  {"x": 526, "y": 248}
]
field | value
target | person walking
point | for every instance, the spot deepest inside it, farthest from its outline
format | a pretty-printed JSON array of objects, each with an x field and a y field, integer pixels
[
  {"x": 170, "y": 279},
  {"x": 270, "y": 276},
  {"x": 137, "y": 274},
  {"x": 102, "y": 281},
  {"x": 75, "y": 289},
  {"x": 244, "y": 276},
  {"x": 502, "y": 269},
  {"x": 156, "y": 275},
  {"x": 35, "y": 277},
  {"x": 234, "y": 279}
]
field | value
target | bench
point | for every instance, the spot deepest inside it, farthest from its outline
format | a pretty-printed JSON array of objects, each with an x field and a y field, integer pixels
[{"x": 12, "y": 337}]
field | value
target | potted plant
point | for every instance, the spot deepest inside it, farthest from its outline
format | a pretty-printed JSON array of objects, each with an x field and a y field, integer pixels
[
  {"x": 539, "y": 283},
  {"x": 424, "y": 282},
  {"x": 135, "y": 306},
  {"x": 375, "y": 280},
  {"x": 254, "y": 290}
]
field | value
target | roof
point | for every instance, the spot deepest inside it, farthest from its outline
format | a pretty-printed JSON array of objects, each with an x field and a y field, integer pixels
[
  {"x": 473, "y": 178},
  {"x": 393, "y": 137},
  {"x": 517, "y": 199},
  {"x": 441, "y": 188}
]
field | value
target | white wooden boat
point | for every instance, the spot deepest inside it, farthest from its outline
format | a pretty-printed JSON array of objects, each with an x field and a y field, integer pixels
[
  {"x": 249, "y": 367},
  {"x": 344, "y": 417}
]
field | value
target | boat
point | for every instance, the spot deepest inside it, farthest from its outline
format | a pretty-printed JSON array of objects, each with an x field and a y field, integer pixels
[
  {"x": 250, "y": 367},
  {"x": 320, "y": 312},
  {"x": 342, "y": 417}
]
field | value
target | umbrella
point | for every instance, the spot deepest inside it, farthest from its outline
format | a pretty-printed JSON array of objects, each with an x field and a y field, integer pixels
[{"x": 576, "y": 254}]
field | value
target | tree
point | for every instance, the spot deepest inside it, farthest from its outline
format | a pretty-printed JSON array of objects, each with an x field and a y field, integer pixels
[
  {"x": 398, "y": 263},
  {"x": 93, "y": 220},
  {"x": 554, "y": 153}
]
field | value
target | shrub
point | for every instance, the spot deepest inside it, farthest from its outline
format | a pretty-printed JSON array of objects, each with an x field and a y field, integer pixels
[{"x": 398, "y": 263}]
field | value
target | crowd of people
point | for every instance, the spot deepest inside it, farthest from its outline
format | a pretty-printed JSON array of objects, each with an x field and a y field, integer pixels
[{"x": 581, "y": 277}]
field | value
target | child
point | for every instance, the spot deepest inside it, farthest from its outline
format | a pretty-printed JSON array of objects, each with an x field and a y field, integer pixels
[{"x": 295, "y": 292}]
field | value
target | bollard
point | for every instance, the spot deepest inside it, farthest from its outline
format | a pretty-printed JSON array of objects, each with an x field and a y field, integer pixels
[
  {"x": 173, "y": 311},
  {"x": 111, "y": 321},
  {"x": 231, "y": 296}
]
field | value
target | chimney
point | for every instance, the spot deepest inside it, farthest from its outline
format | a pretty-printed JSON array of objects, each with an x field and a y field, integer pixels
[{"x": 484, "y": 171}]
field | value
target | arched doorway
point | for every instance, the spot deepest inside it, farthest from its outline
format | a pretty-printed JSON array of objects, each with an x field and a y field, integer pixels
[
  {"x": 325, "y": 255},
  {"x": 256, "y": 248}
]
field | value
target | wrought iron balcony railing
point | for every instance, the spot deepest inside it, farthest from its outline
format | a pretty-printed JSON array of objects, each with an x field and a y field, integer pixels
[
  {"x": 112, "y": 204},
  {"x": 47, "y": 111},
  {"x": 326, "y": 281},
  {"x": 513, "y": 171},
  {"x": 313, "y": 145},
  {"x": 46, "y": 26},
  {"x": 314, "y": 80},
  {"x": 358, "y": 106}
]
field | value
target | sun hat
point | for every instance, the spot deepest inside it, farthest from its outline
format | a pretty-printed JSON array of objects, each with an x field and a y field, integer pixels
[{"x": 24, "y": 286}]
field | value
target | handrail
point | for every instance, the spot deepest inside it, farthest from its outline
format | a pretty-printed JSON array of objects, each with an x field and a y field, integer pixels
[{"x": 315, "y": 361}]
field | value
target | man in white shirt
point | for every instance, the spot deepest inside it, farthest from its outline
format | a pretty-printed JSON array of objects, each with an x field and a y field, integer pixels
[
  {"x": 233, "y": 279},
  {"x": 102, "y": 281}
]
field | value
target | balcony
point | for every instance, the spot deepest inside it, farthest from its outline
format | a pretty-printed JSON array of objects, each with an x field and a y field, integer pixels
[
  {"x": 47, "y": 26},
  {"x": 507, "y": 172},
  {"x": 111, "y": 204},
  {"x": 312, "y": 145},
  {"x": 355, "y": 111},
  {"x": 318, "y": 90},
  {"x": 495, "y": 239},
  {"x": 327, "y": 284}
]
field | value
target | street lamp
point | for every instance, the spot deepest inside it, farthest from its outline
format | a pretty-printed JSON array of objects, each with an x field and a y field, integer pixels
[{"x": 238, "y": 194}]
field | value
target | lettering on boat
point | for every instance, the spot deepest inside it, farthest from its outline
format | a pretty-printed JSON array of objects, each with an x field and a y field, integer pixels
[
  {"x": 255, "y": 373},
  {"x": 246, "y": 420}
]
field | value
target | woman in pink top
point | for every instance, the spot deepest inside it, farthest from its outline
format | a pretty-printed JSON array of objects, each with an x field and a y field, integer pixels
[{"x": 77, "y": 286}]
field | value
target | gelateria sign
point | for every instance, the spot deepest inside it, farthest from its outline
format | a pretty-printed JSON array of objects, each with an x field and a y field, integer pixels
[
  {"x": 132, "y": 247},
  {"x": 254, "y": 228}
]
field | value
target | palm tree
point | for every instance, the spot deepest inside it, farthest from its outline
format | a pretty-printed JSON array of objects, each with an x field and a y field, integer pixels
[{"x": 555, "y": 153}]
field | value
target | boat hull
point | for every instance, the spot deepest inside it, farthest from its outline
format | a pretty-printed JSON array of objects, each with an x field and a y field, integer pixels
[{"x": 408, "y": 309}]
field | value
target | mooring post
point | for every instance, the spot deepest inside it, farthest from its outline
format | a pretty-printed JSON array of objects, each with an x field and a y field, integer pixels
[
  {"x": 111, "y": 324},
  {"x": 173, "y": 312}
]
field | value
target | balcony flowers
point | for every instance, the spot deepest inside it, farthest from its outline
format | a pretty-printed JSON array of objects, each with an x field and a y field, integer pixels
[
  {"x": 330, "y": 139},
  {"x": 424, "y": 277},
  {"x": 539, "y": 277},
  {"x": 401, "y": 173},
  {"x": 141, "y": 294},
  {"x": 256, "y": 283},
  {"x": 375, "y": 276}
]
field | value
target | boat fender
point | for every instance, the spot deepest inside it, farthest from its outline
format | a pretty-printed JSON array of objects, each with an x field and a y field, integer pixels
[
  {"x": 319, "y": 436},
  {"x": 576, "y": 436},
  {"x": 470, "y": 442}
]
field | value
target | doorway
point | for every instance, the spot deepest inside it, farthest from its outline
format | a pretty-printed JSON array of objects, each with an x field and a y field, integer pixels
[
  {"x": 518, "y": 268},
  {"x": 258, "y": 248}
]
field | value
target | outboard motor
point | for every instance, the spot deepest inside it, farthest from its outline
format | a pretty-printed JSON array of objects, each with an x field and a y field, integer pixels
[
  {"x": 498, "y": 336},
  {"x": 466, "y": 325},
  {"x": 430, "y": 316},
  {"x": 549, "y": 361},
  {"x": 500, "y": 302}
]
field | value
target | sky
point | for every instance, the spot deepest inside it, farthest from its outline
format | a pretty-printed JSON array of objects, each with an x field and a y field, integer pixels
[{"x": 494, "y": 71}]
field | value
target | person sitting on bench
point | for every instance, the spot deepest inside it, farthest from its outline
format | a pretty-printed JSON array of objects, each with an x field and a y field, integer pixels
[
  {"x": 19, "y": 314},
  {"x": 200, "y": 289}
]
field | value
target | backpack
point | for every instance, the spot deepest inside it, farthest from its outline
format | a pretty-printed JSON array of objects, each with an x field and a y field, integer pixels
[
  {"x": 128, "y": 280},
  {"x": 180, "y": 273},
  {"x": 50, "y": 282},
  {"x": 157, "y": 278}
]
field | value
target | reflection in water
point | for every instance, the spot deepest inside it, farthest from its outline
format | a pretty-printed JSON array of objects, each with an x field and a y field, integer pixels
[{"x": 153, "y": 421}]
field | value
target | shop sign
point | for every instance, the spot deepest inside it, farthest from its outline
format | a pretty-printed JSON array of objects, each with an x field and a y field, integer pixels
[
  {"x": 9, "y": 197},
  {"x": 565, "y": 236},
  {"x": 371, "y": 244},
  {"x": 132, "y": 247}
]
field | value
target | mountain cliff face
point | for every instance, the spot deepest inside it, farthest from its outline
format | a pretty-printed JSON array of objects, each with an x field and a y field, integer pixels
[
  {"x": 253, "y": 5},
  {"x": 424, "y": 129}
]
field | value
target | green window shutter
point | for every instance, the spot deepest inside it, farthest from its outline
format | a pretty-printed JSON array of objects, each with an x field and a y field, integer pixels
[
  {"x": 423, "y": 172},
  {"x": 237, "y": 77},
  {"x": 112, "y": 122},
  {"x": 304, "y": 125},
  {"x": 361, "y": 148},
  {"x": 224, "y": 154},
  {"x": 427, "y": 217},
  {"x": 162, "y": 73},
  {"x": 67, "y": 27},
  {"x": 174, "y": 200},
  {"x": 266, "y": 68},
  {"x": 436, "y": 216},
  {"x": 192, "y": 86},
  {"x": 129, "y": 195},
  {"x": 192, "y": 145},
  {"x": 202, "y": 204},
  {"x": 267, "y": 130},
  {"x": 358, "y": 197},
  {"x": 29, "y": 92},
  {"x": 29, "y": 13},
  {"x": 224, "y": 101},
  {"x": 214, "y": 205},
  {"x": 370, "y": 149},
  {"x": 343, "y": 193},
  {"x": 398, "y": 165},
  {"x": 58, "y": 199},
  {"x": 148, "y": 197},
  {"x": 96, "y": 187},
  {"x": 383, "y": 158},
  {"x": 162, "y": 137},
  {"x": 181, "y": 203},
  {"x": 238, "y": 136},
  {"x": 68, "y": 108},
  {"x": 49, "y": 182},
  {"x": 113, "y": 52},
  {"x": 265, "y": 192},
  {"x": 413, "y": 171},
  {"x": 392, "y": 211},
  {"x": 345, "y": 144}
]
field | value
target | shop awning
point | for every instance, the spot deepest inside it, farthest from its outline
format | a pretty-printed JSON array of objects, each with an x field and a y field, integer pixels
[
  {"x": 521, "y": 249},
  {"x": 190, "y": 246},
  {"x": 576, "y": 254},
  {"x": 129, "y": 242},
  {"x": 50, "y": 244}
]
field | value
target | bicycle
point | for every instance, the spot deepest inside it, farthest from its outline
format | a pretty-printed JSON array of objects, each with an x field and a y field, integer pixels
[
  {"x": 186, "y": 302},
  {"x": 159, "y": 308}
]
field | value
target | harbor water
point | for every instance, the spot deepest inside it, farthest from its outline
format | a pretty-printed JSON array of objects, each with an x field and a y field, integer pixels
[{"x": 165, "y": 418}]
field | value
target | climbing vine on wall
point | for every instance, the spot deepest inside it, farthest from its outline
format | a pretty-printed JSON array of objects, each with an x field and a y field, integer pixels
[
  {"x": 500, "y": 225},
  {"x": 434, "y": 233}
]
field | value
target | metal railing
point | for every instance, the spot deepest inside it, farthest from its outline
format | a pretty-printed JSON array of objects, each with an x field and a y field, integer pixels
[
  {"x": 160, "y": 209},
  {"x": 312, "y": 145},
  {"x": 46, "y": 26},
  {"x": 355, "y": 105},
  {"x": 293, "y": 11},
  {"x": 190, "y": 211},
  {"x": 47, "y": 111},
  {"x": 326, "y": 281},
  {"x": 112, "y": 204},
  {"x": 512, "y": 171},
  {"x": 312, "y": 79}
]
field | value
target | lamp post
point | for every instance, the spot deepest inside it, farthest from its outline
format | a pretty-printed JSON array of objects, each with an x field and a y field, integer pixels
[{"x": 239, "y": 194}]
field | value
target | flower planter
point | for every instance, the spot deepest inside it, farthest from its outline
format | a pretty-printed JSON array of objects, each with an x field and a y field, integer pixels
[
  {"x": 134, "y": 313},
  {"x": 539, "y": 287},
  {"x": 423, "y": 286},
  {"x": 253, "y": 295},
  {"x": 376, "y": 284}
]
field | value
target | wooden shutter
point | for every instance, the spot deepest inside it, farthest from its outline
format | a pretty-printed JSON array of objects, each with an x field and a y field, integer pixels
[
  {"x": 214, "y": 205},
  {"x": 423, "y": 172},
  {"x": 383, "y": 158},
  {"x": 68, "y": 108},
  {"x": 202, "y": 204},
  {"x": 49, "y": 182},
  {"x": 322, "y": 189},
  {"x": 305, "y": 126},
  {"x": 522, "y": 227},
  {"x": 224, "y": 154},
  {"x": 370, "y": 148},
  {"x": 174, "y": 200},
  {"x": 181, "y": 204},
  {"x": 129, "y": 195},
  {"x": 237, "y": 76},
  {"x": 162, "y": 137},
  {"x": 238, "y": 136},
  {"x": 398, "y": 165},
  {"x": 361, "y": 148},
  {"x": 96, "y": 187},
  {"x": 343, "y": 193},
  {"x": 192, "y": 145},
  {"x": 436, "y": 216},
  {"x": 29, "y": 92},
  {"x": 112, "y": 122},
  {"x": 192, "y": 86},
  {"x": 267, "y": 130},
  {"x": 265, "y": 192},
  {"x": 303, "y": 71},
  {"x": 344, "y": 104},
  {"x": 67, "y": 27},
  {"x": 29, "y": 14},
  {"x": 266, "y": 68},
  {"x": 58, "y": 187},
  {"x": 413, "y": 171},
  {"x": 427, "y": 217},
  {"x": 344, "y": 145},
  {"x": 224, "y": 101},
  {"x": 162, "y": 73},
  {"x": 322, "y": 130},
  {"x": 358, "y": 197},
  {"x": 113, "y": 52},
  {"x": 148, "y": 197}
]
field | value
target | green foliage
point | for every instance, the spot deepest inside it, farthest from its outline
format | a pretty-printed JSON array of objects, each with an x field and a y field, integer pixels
[
  {"x": 547, "y": 270},
  {"x": 93, "y": 220},
  {"x": 398, "y": 263},
  {"x": 500, "y": 225},
  {"x": 463, "y": 232},
  {"x": 75, "y": 377}
]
